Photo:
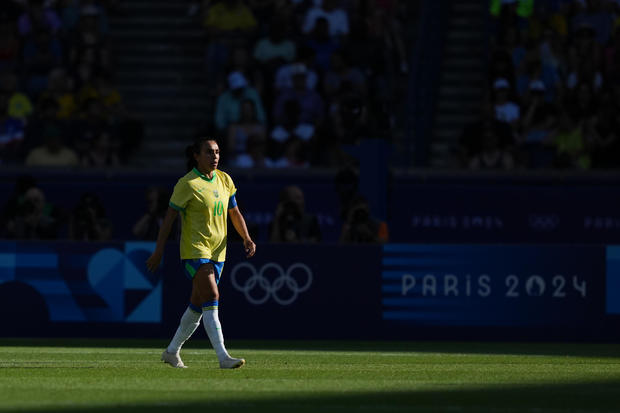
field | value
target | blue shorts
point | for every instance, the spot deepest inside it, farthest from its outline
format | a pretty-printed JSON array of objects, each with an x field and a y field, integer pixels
[{"x": 191, "y": 266}]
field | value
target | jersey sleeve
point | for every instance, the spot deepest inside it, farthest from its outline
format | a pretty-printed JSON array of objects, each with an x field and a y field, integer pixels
[
  {"x": 180, "y": 196},
  {"x": 232, "y": 192}
]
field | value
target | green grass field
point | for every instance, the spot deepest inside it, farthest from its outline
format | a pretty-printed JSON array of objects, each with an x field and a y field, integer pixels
[{"x": 113, "y": 375}]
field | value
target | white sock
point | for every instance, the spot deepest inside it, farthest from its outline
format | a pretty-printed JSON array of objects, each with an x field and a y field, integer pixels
[
  {"x": 212, "y": 324},
  {"x": 189, "y": 323}
]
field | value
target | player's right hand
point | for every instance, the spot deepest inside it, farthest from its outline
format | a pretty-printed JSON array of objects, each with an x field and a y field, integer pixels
[{"x": 153, "y": 262}]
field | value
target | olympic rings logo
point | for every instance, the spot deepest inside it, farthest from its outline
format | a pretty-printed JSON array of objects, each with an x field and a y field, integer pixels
[{"x": 284, "y": 288}]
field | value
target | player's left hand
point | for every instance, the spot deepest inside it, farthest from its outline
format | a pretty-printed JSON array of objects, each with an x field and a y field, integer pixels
[{"x": 250, "y": 247}]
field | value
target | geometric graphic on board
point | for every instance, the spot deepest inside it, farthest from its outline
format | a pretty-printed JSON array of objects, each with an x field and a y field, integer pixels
[{"x": 130, "y": 292}]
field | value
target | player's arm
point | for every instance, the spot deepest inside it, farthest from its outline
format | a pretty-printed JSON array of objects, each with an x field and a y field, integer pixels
[
  {"x": 242, "y": 230},
  {"x": 164, "y": 231}
]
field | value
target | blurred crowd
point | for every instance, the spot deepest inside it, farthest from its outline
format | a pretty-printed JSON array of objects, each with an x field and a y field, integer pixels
[
  {"x": 58, "y": 102},
  {"x": 554, "y": 87},
  {"x": 291, "y": 80}
]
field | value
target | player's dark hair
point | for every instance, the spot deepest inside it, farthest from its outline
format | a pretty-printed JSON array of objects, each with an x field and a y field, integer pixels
[{"x": 195, "y": 149}]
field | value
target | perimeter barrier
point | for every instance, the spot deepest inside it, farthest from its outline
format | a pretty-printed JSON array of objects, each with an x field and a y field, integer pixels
[{"x": 393, "y": 291}]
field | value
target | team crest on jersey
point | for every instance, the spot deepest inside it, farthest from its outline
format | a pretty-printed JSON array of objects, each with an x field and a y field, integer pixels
[{"x": 215, "y": 193}]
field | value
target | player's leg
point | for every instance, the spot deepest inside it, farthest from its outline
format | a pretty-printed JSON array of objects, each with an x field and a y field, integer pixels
[
  {"x": 205, "y": 292},
  {"x": 189, "y": 323}
]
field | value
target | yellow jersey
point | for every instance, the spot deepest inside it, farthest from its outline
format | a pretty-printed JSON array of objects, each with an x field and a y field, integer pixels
[{"x": 203, "y": 204}]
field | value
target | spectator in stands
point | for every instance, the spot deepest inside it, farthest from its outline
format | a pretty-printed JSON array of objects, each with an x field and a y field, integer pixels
[
  {"x": 341, "y": 72},
  {"x": 19, "y": 105},
  {"x": 506, "y": 110},
  {"x": 38, "y": 17},
  {"x": 11, "y": 132},
  {"x": 229, "y": 24},
  {"x": 533, "y": 70},
  {"x": 88, "y": 221},
  {"x": 501, "y": 67},
  {"x": 41, "y": 53},
  {"x": 60, "y": 89},
  {"x": 491, "y": 155},
  {"x": 291, "y": 222},
  {"x": 101, "y": 153},
  {"x": 273, "y": 51},
  {"x": 360, "y": 227},
  {"x": 283, "y": 138},
  {"x": 284, "y": 73},
  {"x": 551, "y": 52},
  {"x": 311, "y": 104},
  {"x": 470, "y": 142},
  {"x": 148, "y": 225},
  {"x": 335, "y": 17},
  {"x": 53, "y": 152},
  {"x": 35, "y": 218},
  {"x": 91, "y": 124},
  {"x": 322, "y": 44},
  {"x": 276, "y": 48},
  {"x": 241, "y": 61},
  {"x": 296, "y": 154},
  {"x": 240, "y": 132},
  {"x": 255, "y": 154},
  {"x": 570, "y": 144},
  {"x": 537, "y": 127},
  {"x": 228, "y": 105},
  {"x": 89, "y": 45}
]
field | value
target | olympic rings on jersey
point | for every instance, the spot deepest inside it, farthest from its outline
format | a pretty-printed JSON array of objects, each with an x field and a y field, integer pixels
[{"x": 257, "y": 281}]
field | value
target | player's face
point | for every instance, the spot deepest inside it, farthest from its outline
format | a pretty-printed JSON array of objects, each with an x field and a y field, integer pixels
[{"x": 209, "y": 157}]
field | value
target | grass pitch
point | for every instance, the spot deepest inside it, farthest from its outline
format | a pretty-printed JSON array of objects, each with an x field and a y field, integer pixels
[{"x": 106, "y": 375}]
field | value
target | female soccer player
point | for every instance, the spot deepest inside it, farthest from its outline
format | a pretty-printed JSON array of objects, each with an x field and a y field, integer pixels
[{"x": 204, "y": 197}]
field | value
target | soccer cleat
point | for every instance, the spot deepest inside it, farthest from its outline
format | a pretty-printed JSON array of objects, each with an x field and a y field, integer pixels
[
  {"x": 231, "y": 363},
  {"x": 173, "y": 359}
]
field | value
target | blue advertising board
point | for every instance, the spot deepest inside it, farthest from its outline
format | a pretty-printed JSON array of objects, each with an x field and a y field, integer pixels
[
  {"x": 86, "y": 282},
  {"x": 493, "y": 285},
  {"x": 453, "y": 211},
  {"x": 291, "y": 291}
]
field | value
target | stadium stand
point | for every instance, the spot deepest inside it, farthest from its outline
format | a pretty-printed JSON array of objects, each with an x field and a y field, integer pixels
[{"x": 553, "y": 87}]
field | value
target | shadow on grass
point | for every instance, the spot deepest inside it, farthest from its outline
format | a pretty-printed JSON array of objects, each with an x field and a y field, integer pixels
[
  {"x": 576, "y": 397},
  {"x": 606, "y": 350}
]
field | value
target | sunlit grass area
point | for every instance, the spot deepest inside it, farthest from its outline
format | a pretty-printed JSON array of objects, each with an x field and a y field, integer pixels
[{"x": 307, "y": 376}]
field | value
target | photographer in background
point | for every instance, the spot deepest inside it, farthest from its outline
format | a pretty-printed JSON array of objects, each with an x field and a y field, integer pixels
[
  {"x": 34, "y": 218},
  {"x": 148, "y": 225},
  {"x": 360, "y": 227},
  {"x": 89, "y": 222},
  {"x": 291, "y": 223}
]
